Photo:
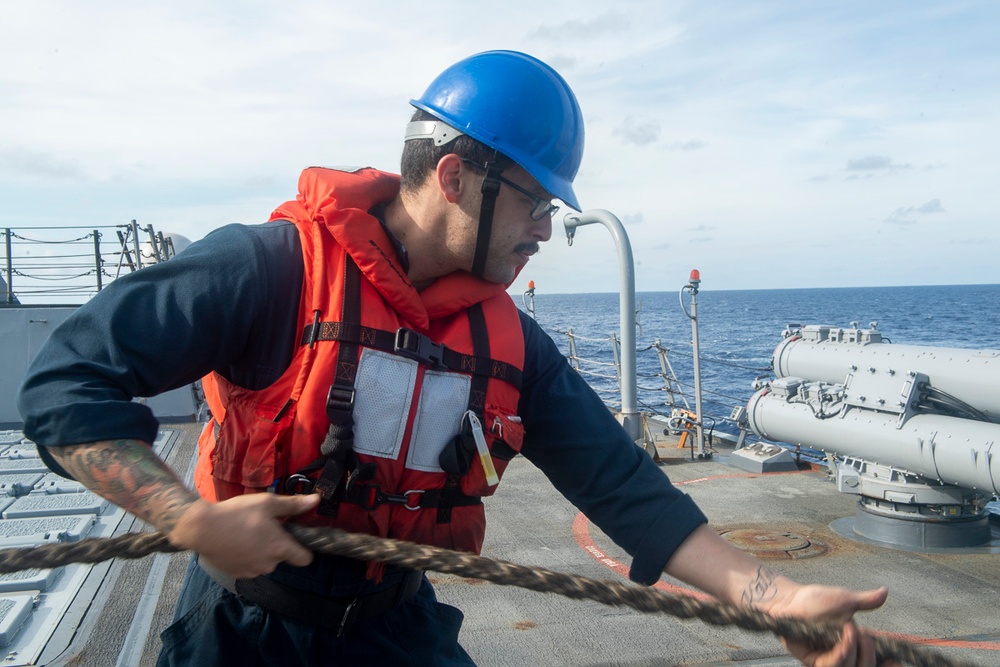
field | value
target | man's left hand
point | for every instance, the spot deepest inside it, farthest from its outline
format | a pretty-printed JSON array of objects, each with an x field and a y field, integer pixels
[{"x": 837, "y": 605}]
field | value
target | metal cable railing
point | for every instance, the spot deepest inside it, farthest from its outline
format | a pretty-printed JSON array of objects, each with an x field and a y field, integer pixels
[
  {"x": 661, "y": 399},
  {"x": 44, "y": 264}
]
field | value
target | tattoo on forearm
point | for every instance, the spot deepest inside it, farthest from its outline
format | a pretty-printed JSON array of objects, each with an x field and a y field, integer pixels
[
  {"x": 761, "y": 589},
  {"x": 129, "y": 474}
]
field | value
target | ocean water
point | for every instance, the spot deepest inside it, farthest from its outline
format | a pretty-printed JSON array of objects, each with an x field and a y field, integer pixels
[{"x": 739, "y": 329}]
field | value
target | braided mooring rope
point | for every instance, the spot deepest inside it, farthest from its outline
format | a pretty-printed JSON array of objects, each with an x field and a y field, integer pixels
[{"x": 407, "y": 554}]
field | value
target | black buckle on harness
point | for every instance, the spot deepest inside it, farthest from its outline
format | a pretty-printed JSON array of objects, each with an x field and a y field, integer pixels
[
  {"x": 339, "y": 401},
  {"x": 416, "y": 346},
  {"x": 370, "y": 496},
  {"x": 299, "y": 484}
]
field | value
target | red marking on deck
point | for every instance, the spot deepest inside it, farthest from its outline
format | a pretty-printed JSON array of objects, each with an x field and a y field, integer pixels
[{"x": 581, "y": 532}]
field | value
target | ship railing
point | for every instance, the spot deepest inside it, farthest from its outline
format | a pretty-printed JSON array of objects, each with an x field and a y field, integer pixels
[
  {"x": 583, "y": 365},
  {"x": 662, "y": 393},
  {"x": 72, "y": 263}
]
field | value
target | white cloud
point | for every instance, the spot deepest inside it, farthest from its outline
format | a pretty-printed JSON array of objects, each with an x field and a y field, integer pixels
[
  {"x": 702, "y": 227},
  {"x": 691, "y": 145},
  {"x": 598, "y": 26},
  {"x": 639, "y": 132},
  {"x": 22, "y": 162},
  {"x": 875, "y": 163},
  {"x": 905, "y": 215},
  {"x": 781, "y": 130}
]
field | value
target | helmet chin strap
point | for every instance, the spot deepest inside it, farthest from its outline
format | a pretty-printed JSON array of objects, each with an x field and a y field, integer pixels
[{"x": 491, "y": 188}]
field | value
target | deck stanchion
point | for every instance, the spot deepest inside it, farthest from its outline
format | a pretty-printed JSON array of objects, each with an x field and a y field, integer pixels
[
  {"x": 669, "y": 376},
  {"x": 10, "y": 268},
  {"x": 135, "y": 242},
  {"x": 574, "y": 360},
  {"x": 616, "y": 351},
  {"x": 97, "y": 259},
  {"x": 692, "y": 287},
  {"x": 529, "y": 299}
]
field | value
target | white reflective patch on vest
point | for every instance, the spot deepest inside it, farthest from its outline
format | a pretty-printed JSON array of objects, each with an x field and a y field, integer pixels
[
  {"x": 444, "y": 398},
  {"x": 384, "y": 391}
]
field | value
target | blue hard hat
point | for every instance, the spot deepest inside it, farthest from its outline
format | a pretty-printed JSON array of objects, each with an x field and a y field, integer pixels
[{"x": 519, "y": 106}]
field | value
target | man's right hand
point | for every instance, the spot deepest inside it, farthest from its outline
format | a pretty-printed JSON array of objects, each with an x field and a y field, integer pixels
[{"x": 243, "y": 536}]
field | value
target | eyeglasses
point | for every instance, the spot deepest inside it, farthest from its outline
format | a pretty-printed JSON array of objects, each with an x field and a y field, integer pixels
[{"x": 540, "y": 207}]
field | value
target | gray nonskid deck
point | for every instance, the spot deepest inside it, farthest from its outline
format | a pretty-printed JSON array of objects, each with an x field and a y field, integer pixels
[
  {"x": 83, "y": 615},
  {"x": 529, "y": 523},
  {"x": 937, "y": 599}
]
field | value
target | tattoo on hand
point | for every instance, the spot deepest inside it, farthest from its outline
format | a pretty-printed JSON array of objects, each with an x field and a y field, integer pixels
[
  {"x": 129, "y": 474},
  {"x": 761, "y": 589}
]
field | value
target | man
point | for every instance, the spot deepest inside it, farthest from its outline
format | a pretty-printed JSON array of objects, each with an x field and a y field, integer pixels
[{"x": 360, "y": 383}]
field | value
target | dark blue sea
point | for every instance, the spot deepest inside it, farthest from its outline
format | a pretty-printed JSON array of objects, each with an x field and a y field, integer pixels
[{"x": 738, "y": 330}]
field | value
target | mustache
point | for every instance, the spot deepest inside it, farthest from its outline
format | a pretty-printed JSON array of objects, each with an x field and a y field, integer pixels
[{"x": 531, "y": 248}]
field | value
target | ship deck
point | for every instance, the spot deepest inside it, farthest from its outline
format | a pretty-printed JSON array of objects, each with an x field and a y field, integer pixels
[
  {"x": 792, "y": 520},
  {"x": 796, "y": 521}
]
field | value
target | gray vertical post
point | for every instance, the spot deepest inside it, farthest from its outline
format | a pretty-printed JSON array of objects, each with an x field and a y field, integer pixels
[
  {"x": 97, "y": 258},
  {"x": 162, "y": 251},
  {"x": 10, "y": 267},
  {"x": 125, "y": 256},
  {"x": 135, "y": 242},
  {"x": 617, "y": 355},
  {"x": 670, "y": 377},
  {"x": 529, "y": 294},
  {"x": 575, "y": 360},
  {"x": 626, "y": 301},
  {"x": 692, "y": 287},
  {"x": 154, "y": 245}
]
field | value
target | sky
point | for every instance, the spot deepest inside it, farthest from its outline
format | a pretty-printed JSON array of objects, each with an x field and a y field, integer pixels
[{"x": 768, "y": 144}]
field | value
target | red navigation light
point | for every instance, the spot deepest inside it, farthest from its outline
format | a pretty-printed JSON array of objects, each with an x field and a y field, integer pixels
[
  {"x": 695, "y": 275},
  {"x": 531, "y": 284}
]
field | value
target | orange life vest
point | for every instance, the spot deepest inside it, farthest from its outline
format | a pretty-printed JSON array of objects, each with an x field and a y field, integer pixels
[{"x": 415, "y": 366}]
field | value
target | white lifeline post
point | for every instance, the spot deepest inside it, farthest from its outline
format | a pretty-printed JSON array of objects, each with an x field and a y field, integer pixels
[
  {"x": 629, "y": 415},
  {"x": 692, "y": 288}
]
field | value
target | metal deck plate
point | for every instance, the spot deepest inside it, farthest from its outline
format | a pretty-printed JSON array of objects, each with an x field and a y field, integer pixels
[
  {"x": 14, "y": 610},
  {"x": 17, "y": 484},
  {"x": 45, "y": 504},
  {"x": 23, "y": 465},
  {"x": 28, "y": 580},
  {"x": 35, "y": 531}
]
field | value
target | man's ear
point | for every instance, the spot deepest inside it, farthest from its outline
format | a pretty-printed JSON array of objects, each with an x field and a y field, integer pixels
[{"x": 452, "y": 177}]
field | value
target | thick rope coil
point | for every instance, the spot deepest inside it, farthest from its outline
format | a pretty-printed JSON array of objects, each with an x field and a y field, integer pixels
[{"x": 421, "y": 557}]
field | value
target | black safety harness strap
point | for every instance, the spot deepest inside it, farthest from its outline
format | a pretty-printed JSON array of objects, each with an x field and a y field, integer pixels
[
  {"x": 414, "y": 345},
  {"x": 450, "y": 494},
  {"x": 338, "y": 446},
  {"x": 481, "y": 350},
  {"x": 370, "y": 495},
  {"x": 490, "y": 188}
]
